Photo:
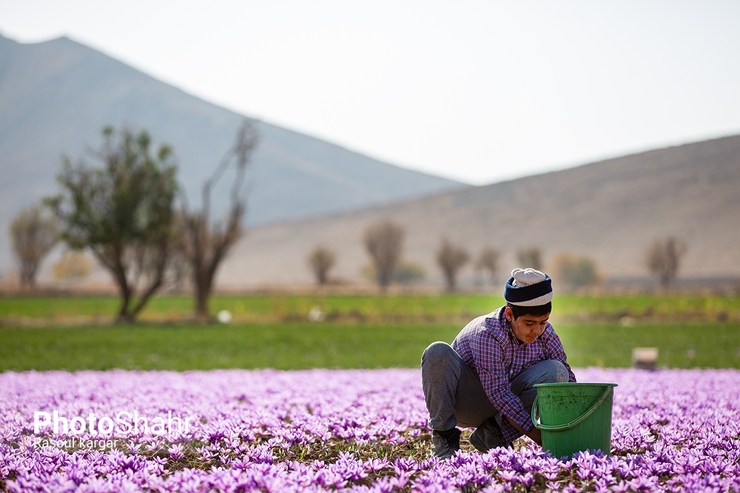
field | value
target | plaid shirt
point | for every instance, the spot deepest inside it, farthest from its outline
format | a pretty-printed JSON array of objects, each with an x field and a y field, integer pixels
[{"x": 488, "y": 345}]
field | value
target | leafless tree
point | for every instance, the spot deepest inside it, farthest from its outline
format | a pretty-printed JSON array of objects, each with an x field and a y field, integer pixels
[
  {"x": 178, "y": 267},
  {"x": 179, "y": 275},
  {"x": 32, "y": 234},
  {"x": 530, "y": 257},
  {"x": 450, "y": 259},
  {"x": 488, "y": 262},
  {"x": 205, "y": 244},
  {"x": 384, "y": 243},
  {"x": 664, "y": 259},
  {"x": 321, "y": 261}
]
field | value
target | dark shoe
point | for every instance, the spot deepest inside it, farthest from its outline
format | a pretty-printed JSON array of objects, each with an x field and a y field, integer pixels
[
  {"x": 488, "y": 436},
  {"x": 446, "y": 443}
]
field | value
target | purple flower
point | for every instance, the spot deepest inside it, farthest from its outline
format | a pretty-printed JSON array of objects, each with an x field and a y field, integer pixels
[{"x": 327, "y": 430}]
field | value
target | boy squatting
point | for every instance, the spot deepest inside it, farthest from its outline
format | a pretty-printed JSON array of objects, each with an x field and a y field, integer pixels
[{"x": 485, "y": 379}]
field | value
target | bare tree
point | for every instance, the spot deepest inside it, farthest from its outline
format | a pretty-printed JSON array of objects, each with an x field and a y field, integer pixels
[
  {"x": 178, "y": 269},
  {"x": 205, "y": 244},
  {"x": 530, "y": 257},
  {"x": 32, "y": 235},
  {"x": 321, "y": 261},
  {"x": 450, "y": 259},
  {"x": 384, "y": 243},
  {"x": 664, "y": 259},
  {"x": 488, "y": 262}
]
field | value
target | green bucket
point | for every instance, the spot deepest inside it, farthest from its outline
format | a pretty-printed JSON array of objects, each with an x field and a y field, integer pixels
[{"x": 574, "y": 417}]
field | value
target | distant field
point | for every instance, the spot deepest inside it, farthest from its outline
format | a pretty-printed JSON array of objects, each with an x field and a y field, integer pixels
[
  {"x": 681, "y": 345},
  {"x": 337, "y": 345},
  {"x": 187, "y": 347},
  {"x": 404, "y": 308},
  {"x": 353, "y": 331}
]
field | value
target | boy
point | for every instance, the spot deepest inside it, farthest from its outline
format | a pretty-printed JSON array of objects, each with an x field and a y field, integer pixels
[{"x": 485, "y": 378}]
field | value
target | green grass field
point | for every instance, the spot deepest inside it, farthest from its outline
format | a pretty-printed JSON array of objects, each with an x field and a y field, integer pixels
[
  {"x": 253, "y": 308},
  {"x": 356, "y": 331},
  {"x": 336, "y": 345},
  {"x": 282, "y": 346},
  {"x": 53, "y": 310}
]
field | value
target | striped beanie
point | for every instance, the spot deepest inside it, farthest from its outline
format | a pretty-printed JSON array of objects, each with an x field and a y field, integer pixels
[{"x": 528, "y": 287}]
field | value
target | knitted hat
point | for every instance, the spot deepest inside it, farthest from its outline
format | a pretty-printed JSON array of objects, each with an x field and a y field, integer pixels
[{"x": 528, "y": 287}]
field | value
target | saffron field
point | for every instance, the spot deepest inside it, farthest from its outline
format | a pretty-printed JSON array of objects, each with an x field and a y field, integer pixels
[
  {"x": 86, "y": 406},
  {"x": 342, "y": 430}
]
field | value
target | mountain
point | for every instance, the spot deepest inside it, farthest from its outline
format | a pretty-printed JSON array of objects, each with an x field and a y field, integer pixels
[
  {"x": 56, "y": 96},
  {"x": 610, "y": 211}
]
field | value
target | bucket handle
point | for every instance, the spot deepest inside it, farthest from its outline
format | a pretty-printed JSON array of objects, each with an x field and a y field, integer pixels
[{"x": 567, "y": 426}]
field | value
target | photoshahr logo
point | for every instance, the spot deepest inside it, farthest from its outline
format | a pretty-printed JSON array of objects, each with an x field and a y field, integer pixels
[{"x": 123, "y": 423}]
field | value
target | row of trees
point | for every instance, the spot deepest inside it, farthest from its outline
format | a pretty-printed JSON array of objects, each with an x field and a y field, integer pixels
[
  {"x": 132, "y": 215},
  {"x": 35, "y": 234},
  {"x": 135, "y": 219},
  {"x": 384, "y": 244}
]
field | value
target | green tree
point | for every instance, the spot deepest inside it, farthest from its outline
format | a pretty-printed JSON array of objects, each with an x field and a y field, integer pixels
[
  {"x": 575, "y": 272},
  {"x": 408, "y": 272},
  {"x": 122, "y": 212},
  {"x": 32, "y": 235},
  {"x": 405, "y": 272},
  {"x": 72, "y": 267}
]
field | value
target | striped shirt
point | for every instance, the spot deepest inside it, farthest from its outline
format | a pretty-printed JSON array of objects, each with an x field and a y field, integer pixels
[{"x": 488, "y": 345}]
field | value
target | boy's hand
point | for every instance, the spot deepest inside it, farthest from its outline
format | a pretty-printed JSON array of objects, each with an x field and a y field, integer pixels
[{"x": 535, "y": 434}]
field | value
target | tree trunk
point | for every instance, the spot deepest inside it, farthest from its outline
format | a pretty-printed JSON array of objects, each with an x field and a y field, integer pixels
[
  {"x": 203, "y": 287},
  {"x": 123, "y": 315},
  {"x": 202, "y": 312},
  {"x": 451, "y": 284},
  {"x": 28, "y": 277}
]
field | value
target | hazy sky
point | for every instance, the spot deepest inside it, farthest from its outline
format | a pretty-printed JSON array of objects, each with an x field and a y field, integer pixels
[{"x": 478, "y": 91}]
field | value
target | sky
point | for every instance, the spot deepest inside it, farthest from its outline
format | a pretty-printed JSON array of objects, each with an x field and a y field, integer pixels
[{"x": 476, "y": 91}]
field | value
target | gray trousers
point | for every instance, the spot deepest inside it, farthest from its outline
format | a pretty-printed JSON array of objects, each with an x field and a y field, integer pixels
[{"x": 455, "y": 397}]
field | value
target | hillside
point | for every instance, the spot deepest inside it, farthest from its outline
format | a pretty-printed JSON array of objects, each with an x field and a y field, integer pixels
[
  {"x": 56, "y": 96},
  {"x": 609, "y": 211}
]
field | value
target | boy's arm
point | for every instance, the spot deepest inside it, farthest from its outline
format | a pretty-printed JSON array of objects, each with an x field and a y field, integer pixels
[
  {"x": 494, "y": 378},
  {"x": 554, "y": 350}
]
